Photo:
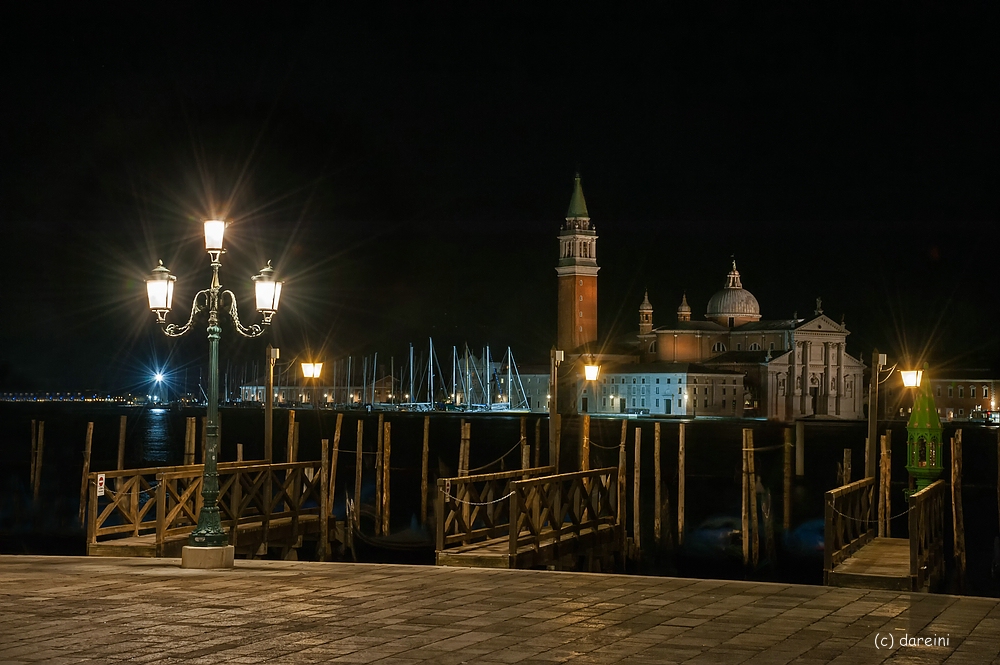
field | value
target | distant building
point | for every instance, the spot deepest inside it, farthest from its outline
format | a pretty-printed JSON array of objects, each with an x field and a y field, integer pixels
[
  {"x": 959, "y": 395},
  {"x": 783, "y": 369}
]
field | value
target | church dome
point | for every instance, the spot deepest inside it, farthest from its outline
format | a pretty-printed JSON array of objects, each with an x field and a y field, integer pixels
[{"x": 733, "y": 305}]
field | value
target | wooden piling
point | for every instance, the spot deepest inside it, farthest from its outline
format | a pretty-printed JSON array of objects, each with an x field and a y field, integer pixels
[
  {"x": 635, "y": 491},
  {"x": 386, "y": 469},
  {"x": 332, "y": 493},
  {"x": 379, "y": 476},
  {"x": 84, "y": 483},
  {"x": 295, "y": 444},
  {"x": 525, "y": 448},
  {"x": 538, "y": 446},
  {"x": 585, "y": 443},
  {"x": 40, "y": 456},
  {"x": 34, "y": 451},
  {"x": 658, "y": 494},
  {"x": 324, "y": 502},
  {"x": 463, "y": 449},
  {"x": 887, "y": 483},
  {"x": 744, "y": 508},
  {"x": 681, "y": 489},
  {"x": 620, "y": 512},
  {"x": 424, "y": 458},
  {"x": 356, "y": 513},
  {"x": 122, "y": 422},
  {"x": 291, "y": 435},
  {"x": 846, "y": 468},
  {"x": 786, "y": 491},
  {"x": 190, "y": 427},
  {"x": 883, "y": 515},
  {"x": 958, "y": 518},
  {"x": 239, "y": 452},
  {"x": 754, "y": 526}
]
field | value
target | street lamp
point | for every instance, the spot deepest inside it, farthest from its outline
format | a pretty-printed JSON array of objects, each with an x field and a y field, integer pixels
[
  {"x": 923, "y": 432},
  {"x": 208, "y": 545},
  {"x": 556, "y": 356},
  {"x": 591, "y": 370},
  {"x": 312, "y": 371}
]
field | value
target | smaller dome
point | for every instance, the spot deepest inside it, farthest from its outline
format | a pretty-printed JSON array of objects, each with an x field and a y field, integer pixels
[
  {"x": 645, "y": 306},
  {"x": 684, "y": 308}
]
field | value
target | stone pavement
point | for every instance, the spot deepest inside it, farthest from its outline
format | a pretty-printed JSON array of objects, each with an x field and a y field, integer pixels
[{"x": 71, "y": 609}]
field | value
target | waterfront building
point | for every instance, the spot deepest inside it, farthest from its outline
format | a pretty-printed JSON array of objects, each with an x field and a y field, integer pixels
[
  {"x": 784, "y": 369},
  {"x": 959, "y": 395}
]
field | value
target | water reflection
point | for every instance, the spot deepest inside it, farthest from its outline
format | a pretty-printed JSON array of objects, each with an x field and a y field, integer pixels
[{"x": 156, "y": 437}]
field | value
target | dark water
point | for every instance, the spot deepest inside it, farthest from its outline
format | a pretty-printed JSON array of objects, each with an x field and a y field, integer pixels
[{"x": 155, "y": 437}]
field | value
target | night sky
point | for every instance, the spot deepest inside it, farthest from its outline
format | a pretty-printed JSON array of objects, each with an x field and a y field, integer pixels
[{"x": 407, "y": 174}]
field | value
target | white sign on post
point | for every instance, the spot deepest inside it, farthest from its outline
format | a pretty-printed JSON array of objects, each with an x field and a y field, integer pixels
[{"x": 100, "y": 484}]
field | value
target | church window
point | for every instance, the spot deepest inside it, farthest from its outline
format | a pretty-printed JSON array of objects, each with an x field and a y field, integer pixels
[
  {"x": 754, "y": 347},
  {"x": 718, "y": 347},
  {"x": 961, "y": 391},
  {"x": 732, "y": 321},
  {"x": 739, "y": 347}
]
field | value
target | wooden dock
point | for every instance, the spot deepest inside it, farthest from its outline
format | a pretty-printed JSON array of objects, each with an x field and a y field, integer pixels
[
  {"x": 151, "y": 512},
  {"x": 530, "y": 518},
  {"x": 855, "y": 557}
]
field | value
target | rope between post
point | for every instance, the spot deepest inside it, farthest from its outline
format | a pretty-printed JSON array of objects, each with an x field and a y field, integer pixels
[{"x": 478, "y": 503}]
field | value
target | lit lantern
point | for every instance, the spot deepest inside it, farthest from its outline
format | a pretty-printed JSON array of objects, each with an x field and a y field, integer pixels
[
  {"x": 591, "y": 372},
  {"x": 311, "y": 370},
  {"x": 214, "y": 231},
  {"x": 160, "y": 291},
  {"x": 911, "y": 377},
  {"x": 268, "y": 292},
  {"x": 923, "y": 438}
]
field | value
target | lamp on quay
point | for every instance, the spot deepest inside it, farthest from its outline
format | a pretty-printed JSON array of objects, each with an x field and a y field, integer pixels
[
  {"x": 208, "y": 545},
  {"x": 312, "y": 371}
]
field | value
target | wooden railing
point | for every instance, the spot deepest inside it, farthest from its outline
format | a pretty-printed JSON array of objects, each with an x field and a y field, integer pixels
[
  {"x": 926, "y": 521},
  {"x": 850, "y": 521},
  {"x": 531, "y": 508},
  {"x": 166, "y": 500},
  {"x": 474, "y": 508},
  {"x": 550, "y": 508}
]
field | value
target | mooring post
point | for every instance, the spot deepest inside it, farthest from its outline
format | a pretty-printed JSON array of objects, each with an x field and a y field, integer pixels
[
  {"x": 525, "y": 450},
  {"x": 37, "y": 480},
  {"x": 754, "y": 526},
  {"x": 84, "y": 484},
  {"x": 464, "y": 449},
  {"x": 34, "y": 451},
  {"x": 887, "y": 481},
  {"x": 635, "y": 492},
  {"x": 379, "y": 476},
  {"x": 657, "y": 491},
  {"x": 356, "y": 513},
  {"x": 122, "y": 423},
  {"x": 786, "y": 516},
  {"x": 846, "y": 468},
  {"x": 681, "y": 453},
  {"x": 744, "y": 508},
  {"x": 883, "y": 514},
  {"x": 424, "y": 455},
  {"x": 585, "y": 443},
  {"x": 332, "y": 493},
  {"x": 386, "y": 472},
  {"x": 958, "y": 519},
  {"x": 324, "y": 502},
  {"x": 291, "y": 435},
  {"x": 190, "y": 427}
]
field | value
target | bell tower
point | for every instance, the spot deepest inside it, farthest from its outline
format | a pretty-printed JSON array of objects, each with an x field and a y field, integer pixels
[{"x": 577, "y": 273}]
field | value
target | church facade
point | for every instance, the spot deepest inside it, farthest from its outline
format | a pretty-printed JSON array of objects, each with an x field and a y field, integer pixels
[{"x": 731, "y": 362}]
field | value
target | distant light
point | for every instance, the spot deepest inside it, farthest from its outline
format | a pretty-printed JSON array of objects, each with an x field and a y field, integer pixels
[
  {"x": 158, "y": 377},
  {"x": 911, "y": 377}
]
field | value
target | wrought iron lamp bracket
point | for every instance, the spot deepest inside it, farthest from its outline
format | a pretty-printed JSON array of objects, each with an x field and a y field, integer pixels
[
  {"x": 255, "y": 330},
  {"x": 172, "y": 329}
]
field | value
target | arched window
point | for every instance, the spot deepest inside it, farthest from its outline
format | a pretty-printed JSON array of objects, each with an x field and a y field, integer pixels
[
  {"x": 718, "y": 347},
  {"x": 961, "y": 392},
  {"x": 986, "y": 392},
  {"x": 754, "y": 347},
  {"x": 972, "y": 392}
]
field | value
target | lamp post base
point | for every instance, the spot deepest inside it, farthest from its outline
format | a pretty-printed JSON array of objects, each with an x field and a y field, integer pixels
[{"x": 207, "y": 557}]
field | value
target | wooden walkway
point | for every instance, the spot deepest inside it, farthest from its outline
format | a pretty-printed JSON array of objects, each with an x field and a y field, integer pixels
[
  {"x": 151, "y": 512},
  {"x": 856, "y": 557},
  {"x": 530, "y": 518}
]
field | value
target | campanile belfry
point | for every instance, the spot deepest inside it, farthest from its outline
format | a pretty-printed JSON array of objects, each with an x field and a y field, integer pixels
[{"x": 577, "y": 273}]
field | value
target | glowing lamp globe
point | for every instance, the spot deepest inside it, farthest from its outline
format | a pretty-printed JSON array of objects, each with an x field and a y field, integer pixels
[
  {"x": 591, "y": 372},
  {"x": 312, "y": 370},
  {"x": 215, "y": 229},
  {"x": 911, "y": 377},
  {"x": 267, "y": 291},
  {"x": 160, "y": 290}
]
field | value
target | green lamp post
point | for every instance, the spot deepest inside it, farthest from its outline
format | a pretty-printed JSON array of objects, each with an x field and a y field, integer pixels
[{"x": 923, "y": 434}]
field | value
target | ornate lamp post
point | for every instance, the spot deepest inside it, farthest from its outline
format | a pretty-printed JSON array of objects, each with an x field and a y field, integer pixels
[
  {"x": 923, "y": 433},
  {"x": 208, "y": 546}
]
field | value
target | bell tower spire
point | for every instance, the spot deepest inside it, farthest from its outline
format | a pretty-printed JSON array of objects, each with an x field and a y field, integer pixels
[{"x": 577, "y": 274}]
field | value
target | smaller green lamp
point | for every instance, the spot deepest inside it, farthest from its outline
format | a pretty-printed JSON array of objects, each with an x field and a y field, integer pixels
[{"x": 923, "y": 432}]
